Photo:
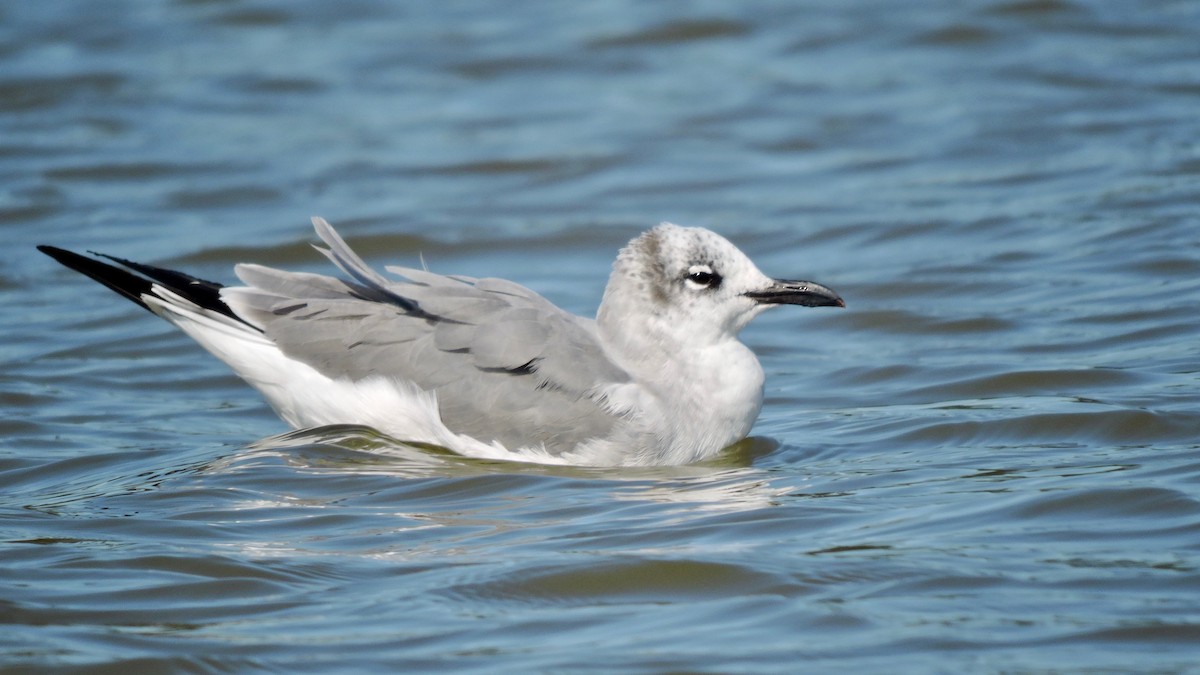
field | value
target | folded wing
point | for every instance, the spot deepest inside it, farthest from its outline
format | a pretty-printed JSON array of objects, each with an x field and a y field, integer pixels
[{"x": 506, "y": 364}]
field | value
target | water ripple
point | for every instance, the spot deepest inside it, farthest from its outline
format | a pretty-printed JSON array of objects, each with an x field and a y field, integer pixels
[{"x": 987, "y": 463}]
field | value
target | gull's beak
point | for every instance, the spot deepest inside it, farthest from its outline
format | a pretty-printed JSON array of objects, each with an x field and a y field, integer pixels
[{"x": 805, "y": 293}]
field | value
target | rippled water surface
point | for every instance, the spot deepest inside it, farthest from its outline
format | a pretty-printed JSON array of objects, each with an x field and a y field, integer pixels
[{"x": 990, "y": 462}]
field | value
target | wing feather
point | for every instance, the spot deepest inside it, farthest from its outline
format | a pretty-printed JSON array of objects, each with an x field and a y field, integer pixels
[{"x": 505, "y": 363}]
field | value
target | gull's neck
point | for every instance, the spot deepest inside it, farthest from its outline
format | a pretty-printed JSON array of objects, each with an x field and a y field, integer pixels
[{"x": 698, "y": 396}]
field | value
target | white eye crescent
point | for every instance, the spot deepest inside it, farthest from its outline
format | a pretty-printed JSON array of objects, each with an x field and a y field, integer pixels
[{"x": 703, "y": 276}]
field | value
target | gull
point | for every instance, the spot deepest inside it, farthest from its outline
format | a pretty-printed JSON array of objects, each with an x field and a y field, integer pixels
[{"x": 486, "y": 367}]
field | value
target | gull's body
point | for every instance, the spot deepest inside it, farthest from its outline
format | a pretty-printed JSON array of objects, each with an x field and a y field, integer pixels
[{"x": 486, "y": 367}]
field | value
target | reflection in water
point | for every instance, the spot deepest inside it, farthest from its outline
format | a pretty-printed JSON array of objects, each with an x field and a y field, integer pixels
[
  {"x": 368, "y": 449},
  {"x": 727, "y": 482},
  {"x": 354, "y": 448},
  {"x": 421, "y": 504}
]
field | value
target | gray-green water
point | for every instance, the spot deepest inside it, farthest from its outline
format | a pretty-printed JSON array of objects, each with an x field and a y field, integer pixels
[{"x": 990, "y": 462}]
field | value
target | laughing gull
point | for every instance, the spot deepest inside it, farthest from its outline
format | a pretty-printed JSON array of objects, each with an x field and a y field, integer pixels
[{"x": 486, "y": 367}]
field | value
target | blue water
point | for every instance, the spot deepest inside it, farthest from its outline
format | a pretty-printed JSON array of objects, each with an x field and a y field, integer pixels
[{"x": 989, "y": 462}]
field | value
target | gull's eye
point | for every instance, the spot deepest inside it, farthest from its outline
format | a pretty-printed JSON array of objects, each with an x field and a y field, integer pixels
[{"x": 702, "y": 276}]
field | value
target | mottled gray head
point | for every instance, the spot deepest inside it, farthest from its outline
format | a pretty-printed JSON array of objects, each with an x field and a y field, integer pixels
[{"x": 699, "y": 283}]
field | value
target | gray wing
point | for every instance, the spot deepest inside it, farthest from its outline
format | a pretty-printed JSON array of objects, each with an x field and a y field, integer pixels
[{"x": 507, "y": 365}]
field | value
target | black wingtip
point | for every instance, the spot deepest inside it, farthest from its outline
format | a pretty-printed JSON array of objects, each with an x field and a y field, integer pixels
[
  {"x": 59, "y": 254},
  {"x": 126, "y": 284},
  {"x": 205, "y": 294}
]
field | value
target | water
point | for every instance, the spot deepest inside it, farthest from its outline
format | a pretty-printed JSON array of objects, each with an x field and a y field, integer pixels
[{"x": 987, "y": 463}]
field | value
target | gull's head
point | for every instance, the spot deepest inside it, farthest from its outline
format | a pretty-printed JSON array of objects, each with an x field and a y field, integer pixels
[{"x": 697, "y": 285}]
